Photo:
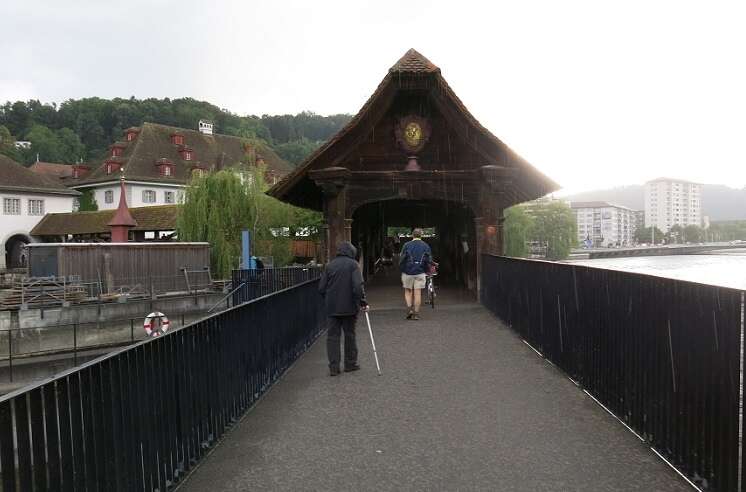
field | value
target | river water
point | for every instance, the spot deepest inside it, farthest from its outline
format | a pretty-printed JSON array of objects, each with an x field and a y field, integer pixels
[{"x": 727, "y": 269}]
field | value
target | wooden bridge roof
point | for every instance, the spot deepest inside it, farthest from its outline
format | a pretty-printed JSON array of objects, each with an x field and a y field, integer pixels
[{"x": 298, "y": 189}]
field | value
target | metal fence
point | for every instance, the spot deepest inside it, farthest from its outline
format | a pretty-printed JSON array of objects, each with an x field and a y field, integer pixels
[
  {"x": 250, "y": 284},
  {"x": 35, "y": 344},
  {"x": 140, "y": 418},
  {"x": 663, "y": 355}
]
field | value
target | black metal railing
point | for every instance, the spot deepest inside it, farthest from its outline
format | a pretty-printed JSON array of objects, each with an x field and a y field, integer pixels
[
  {"x": 250, "y": 284},
  {"x": 665, "y": 356},
  {"x": 140, "y": 418},
  {"x": 26, "y": 345}
]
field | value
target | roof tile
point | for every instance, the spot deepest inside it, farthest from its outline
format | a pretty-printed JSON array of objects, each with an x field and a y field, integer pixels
[
  {"x": 15, "y": 177},
  {"x": 153, "y": 218}
]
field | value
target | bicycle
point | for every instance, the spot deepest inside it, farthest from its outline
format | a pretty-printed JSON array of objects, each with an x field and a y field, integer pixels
[{"x": 430, "y": 290}]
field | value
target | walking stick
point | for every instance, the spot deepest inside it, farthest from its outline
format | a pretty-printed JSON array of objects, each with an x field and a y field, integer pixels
[{"x": 372, "y": 342}]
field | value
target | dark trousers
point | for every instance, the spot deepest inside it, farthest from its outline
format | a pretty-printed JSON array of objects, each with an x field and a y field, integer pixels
[{"x": 338, "y": 324}]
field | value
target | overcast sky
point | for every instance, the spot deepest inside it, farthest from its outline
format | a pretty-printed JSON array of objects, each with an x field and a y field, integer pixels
[{"x": 594, "y": 94}]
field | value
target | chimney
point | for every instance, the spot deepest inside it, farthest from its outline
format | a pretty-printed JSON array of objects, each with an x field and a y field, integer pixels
[
  {"x": 80, "y": 170},
  {"x": 205, "y": 127},
  {"x": 122, "y": 221}
]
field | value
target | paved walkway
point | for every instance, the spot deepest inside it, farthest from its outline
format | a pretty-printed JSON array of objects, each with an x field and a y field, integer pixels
[{"x": 462, "y": 404}]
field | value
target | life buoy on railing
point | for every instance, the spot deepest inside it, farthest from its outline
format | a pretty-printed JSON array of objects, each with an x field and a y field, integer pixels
[{"x": 155, "y": 324}]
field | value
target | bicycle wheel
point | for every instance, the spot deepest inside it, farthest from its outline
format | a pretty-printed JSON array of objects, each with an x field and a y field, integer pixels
[{"x": 431, "y": 294}]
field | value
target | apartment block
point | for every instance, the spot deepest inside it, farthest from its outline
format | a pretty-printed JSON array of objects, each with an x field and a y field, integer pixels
[
  {"x": 602, "y": 224},
  {"x": 670, "y": 202}
]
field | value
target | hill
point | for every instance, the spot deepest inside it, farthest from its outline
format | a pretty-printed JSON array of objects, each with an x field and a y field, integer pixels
[
  {"x": 83, "y": 129},
  {"x": 719, "y": 202}
]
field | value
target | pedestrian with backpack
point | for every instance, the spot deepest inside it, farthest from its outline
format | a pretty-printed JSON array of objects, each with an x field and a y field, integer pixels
[{"x": 414, "y": 262}]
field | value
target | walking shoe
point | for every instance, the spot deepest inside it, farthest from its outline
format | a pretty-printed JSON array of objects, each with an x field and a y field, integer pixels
[
  {"x": 410, "y": 314},
  {"x": 354, "y": 367},
  {"x": 416, "y": 316},
  {"x": 334, "y": 371}
]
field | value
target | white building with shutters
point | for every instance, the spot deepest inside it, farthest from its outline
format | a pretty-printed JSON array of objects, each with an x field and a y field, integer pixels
[{"x": 25, "y": 197}]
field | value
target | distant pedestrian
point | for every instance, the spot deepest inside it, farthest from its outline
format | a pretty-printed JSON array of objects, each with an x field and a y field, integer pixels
[
  {"x": 341, "y": 286},
  {"x": 414, "y": 261}
]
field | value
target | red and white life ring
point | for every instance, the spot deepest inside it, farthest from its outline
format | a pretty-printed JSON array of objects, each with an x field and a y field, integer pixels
[{"x": 156, "y": 324}]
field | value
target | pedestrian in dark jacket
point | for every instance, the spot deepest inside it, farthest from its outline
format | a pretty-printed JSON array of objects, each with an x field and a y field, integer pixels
[{"x": 341, "y": 286}]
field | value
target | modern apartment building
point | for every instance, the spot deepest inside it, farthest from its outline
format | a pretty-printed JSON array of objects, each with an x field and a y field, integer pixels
[
  {"x": 602, "y": 224},
  {"x": 670, "y": 202}
]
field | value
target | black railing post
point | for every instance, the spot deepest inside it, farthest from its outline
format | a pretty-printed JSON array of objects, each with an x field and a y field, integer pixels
[
  {"x": 75, "y": 344},
  {"x": 10, "y": 354}
]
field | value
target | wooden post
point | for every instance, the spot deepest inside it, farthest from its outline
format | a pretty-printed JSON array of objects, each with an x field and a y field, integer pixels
[{"x": 107, "y": 273}]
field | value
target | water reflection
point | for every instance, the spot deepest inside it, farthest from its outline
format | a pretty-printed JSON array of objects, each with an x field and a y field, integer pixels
[{"x": 727, "y": 269}]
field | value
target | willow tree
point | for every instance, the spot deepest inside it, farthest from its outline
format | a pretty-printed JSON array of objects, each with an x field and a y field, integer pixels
[
  {"x": 216, "y": 208},
  {"x": 516, "y": 230}
]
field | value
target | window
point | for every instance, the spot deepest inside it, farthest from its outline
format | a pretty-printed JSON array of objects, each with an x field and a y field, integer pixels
[
  {"x": 148, "y": 196},
  {"x": 36, "y": 207},
  {"x": 109, "y": 196},
  {"x": 12, "y": 206},
  {"x": 187, "y": 155},
  {"x": 168, "y": 196},
  {"x": 167, "y": 170}
]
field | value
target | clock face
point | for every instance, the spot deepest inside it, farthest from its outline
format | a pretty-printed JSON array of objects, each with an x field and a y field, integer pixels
[{"x": 413, "y": 134}]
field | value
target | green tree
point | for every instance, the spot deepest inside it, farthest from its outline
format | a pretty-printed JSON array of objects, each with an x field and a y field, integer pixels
[
  {"x": 219, "y": 206},
  {"x": 554, "y": 225},
  {"x": 516, "y": 229},
  {"x": 216, "y": 209},
  {"x": 645, "y": 235},
  {"x": 675, "y": 234},
  {"x": 62, "y": 145},
  {"x": 8, "y": 144},
  {"x": 296, "y": 151},
  {"x": 727, "y": 230},
  {"x": 693, "y": 234},
  {"x": 87, "y": 202}
]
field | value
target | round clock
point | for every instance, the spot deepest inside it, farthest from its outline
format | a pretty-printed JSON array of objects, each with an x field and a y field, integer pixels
[{"x": 412, "y": 133}]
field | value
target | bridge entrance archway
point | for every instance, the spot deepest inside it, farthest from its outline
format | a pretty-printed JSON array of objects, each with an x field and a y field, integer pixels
[{"x": 381, "y": 228}]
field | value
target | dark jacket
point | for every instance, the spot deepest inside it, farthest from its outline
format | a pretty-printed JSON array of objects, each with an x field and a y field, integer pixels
[
  {"x": 415, "y": 257},
  {"x": 341, "y": 284}
]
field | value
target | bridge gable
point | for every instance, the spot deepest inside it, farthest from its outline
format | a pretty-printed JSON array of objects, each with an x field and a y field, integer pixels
[{"x": 413, "y": 88}]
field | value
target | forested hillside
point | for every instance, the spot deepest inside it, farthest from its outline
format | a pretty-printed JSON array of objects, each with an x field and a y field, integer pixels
[{"x": 82, "y": 129}]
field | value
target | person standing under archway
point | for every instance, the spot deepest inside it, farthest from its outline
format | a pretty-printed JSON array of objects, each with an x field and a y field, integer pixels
[{"x": 414, "y": 261}]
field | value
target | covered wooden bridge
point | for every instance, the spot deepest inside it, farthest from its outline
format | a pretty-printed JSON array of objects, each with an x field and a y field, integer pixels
[{"x": 414, "y": 156}]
